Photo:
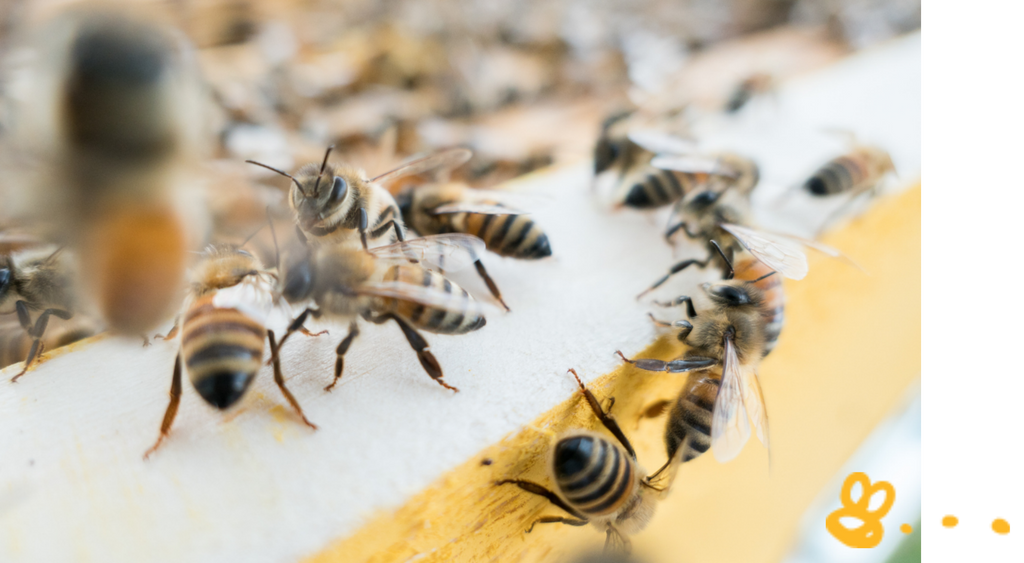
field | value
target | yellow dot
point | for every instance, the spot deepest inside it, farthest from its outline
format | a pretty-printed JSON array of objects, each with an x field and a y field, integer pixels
[
  {"x": 950, "y": 521},
  {"x": 906, "y": 528},
  {"x": 999, "y": 525}
]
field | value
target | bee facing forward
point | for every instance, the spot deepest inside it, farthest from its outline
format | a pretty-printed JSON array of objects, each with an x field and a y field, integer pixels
[
  {"x": 597, "y": 481},
  {"x": 335, "y": 204},
  {"x": 726, "y": 343},
  {"x": 113, "y": 111},
  {"x": 456, "y": 208},
  {"x": 35, "y": 280},
  {"x": 223, "y": 326},
  {"x": 345, "y": 283}
]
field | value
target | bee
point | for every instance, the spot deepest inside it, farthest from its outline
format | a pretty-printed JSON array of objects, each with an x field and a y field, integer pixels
[
  {"x": 455, "y": 208},
  {"x": 223, "y": 328},
  {"x": 653, "y": 169},
  {"x": 858, "y": 171},
  {"x": 753, "y": 85},
  {"x": 726, "y": 343},
  {"x": 597, "y": 481},
  {"x": 16, "y": 342},
  {"x": 36, "y": 280},
  {"x": 114, "y": 109},
  {"x": 335, "y": 203},
  {"x": 381, "y": 284}
]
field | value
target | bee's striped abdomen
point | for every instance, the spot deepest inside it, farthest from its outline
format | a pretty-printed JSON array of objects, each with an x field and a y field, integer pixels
[
  {"x": 465, "y": 314},
  {"x": 773, "y": 310},
  {"x": 222, "y": 349},
  {"x": 515, "y": 236},
  {"x": 594, "y": 475},
  {"x": 690, "y": 419},
  {"x": 657, "y": 188},
  {"x": 839, "y": 175}
]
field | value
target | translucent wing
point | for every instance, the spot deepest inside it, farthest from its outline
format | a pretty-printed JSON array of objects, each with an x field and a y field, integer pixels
[
  {"x": 693, "y": 165},
  {"x": 469, "y": 207},
  {"x": 427, "y": 296},
  {"x": 730, "y": 429},
  {"x": 820, "y": 247},
  {"x": 661, "y": 142},
  {"x": 446, "y": 159},
  {"x": 452, "y": 252},
  {"x": 779, "y": 253},
  {"x": 753, "y": 400},
  {"x": 253, "y": 297}
]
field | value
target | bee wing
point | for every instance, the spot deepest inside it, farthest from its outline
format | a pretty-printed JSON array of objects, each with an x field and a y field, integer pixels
[
  {"x": 693, "y": 164},
  {"x": 777, "y": 252},
  {"x": 660, "y": 142},
  {"x": 469, "y": 207},
  {"x": 253, "y": 297},
  {"x": 820, "y": 247},
  {"x": 753, "y": 400},
  {"x": 452, "y": 252},
  {"x": 446, "y": 159},
  {"x": 427, "y": 296},
  {"x": 730, "y": 429}
]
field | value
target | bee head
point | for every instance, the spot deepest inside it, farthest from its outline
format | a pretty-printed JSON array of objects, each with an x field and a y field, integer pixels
[
  {"x": 5, "y": 280},
  {"x": 299, "y": 276},
  {"x": 608, "y": 148},
  {"x": 404, "y": 201}
]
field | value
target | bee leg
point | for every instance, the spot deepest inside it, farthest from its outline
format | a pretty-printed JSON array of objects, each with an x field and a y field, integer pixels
[
  {"x": 491, "y": 286},
  {"x": 297, "y": 324},
  {"x": 606, "y": 419},
  {"x": 171, "y": 333},
  {"x": 306, "y": 331},
  {"x": 172, "y": 407},
  {"x": 673, "y": 271},
  {"x": 557, "y": 520},
  {"x": 418, "y": 343},
  {"x": 279, "y": 379},
  {"x": 363, "y": 225},
  {"x": 36, "y": 332},
  {"x": 353, "y": 332},
  {"x": 539, "y": 490},
  {"x": 690, "y": 311},
  {"x": 391, "y": 224}
]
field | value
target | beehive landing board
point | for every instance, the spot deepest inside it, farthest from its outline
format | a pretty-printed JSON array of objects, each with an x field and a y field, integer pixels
[{"x": 258, "y": 486}]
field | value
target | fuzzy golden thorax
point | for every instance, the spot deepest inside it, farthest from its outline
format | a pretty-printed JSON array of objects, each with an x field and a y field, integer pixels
[
  {"x": 223, "y": 266},
  {"x": 338, "y": 273}
]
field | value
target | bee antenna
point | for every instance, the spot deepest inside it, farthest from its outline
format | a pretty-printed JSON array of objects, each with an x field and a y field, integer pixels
[
  {"x": 285, "y": 174},
  {"x": 769, "y": 274},
  {"x": 323, "y": 166},
  {"x": 731, "y": 273},
  {"x": 273, "y": 234}
]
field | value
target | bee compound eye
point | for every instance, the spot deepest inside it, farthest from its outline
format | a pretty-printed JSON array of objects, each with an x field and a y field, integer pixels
[{"x": 338, "y": 189}]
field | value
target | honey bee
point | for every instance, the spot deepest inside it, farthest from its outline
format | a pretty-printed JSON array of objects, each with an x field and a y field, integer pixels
[
  {"x": 753, "y": 85},
  {"x": 597, "y": 481},
  {"x": 653, "y": 169},
  {"x": 455, "y": 208},
  {"x": 860, "y": 170},
  {"x": 335, "y": 203},
  {"x": 36, "y": 280},
  {"x": 223, "y": 327},
  {"x": 381, "y": 284},
  {"x": 726, "y": 343},
  {"x": 114, "y": 111}
]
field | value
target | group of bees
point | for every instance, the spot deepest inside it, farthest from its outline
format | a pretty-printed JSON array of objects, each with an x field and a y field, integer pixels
[{"x": 112, "y": 109}]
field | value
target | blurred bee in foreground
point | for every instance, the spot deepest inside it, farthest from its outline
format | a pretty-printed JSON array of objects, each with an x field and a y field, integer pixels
[
  {"x": 456, "y": 208},
  {"x": 334, "y": 204},
  {"x": 753, "y": 85},
  {"x": 597, "y": 481},
  {"x": 114, "y": 112},
  {"x": 223, "y": 326},
  {"x": 652, "y": 169},
  {"x": 856, "y": 173},
  {"x": 35, "y": 280},
  {"x": 726, "y": 343},
  {"x": 381, "y": 284}
]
